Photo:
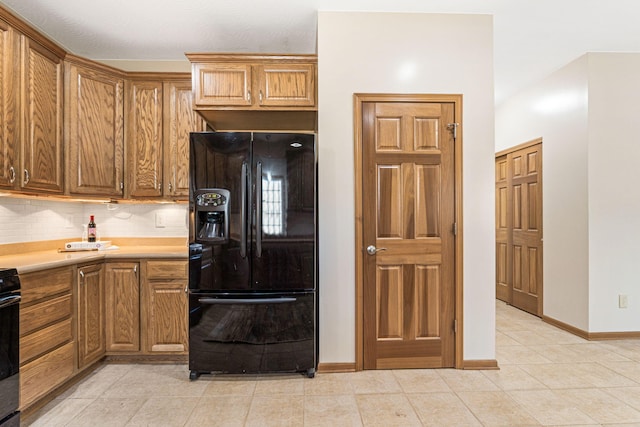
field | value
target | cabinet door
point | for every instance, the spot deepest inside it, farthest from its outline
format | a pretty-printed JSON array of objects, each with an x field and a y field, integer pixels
[
  {"x": 286, "y": 85},
  {"x": 122, "y": 307},
  {"x": 179, "y": 120},
  {"x": 144, "y": 139},
  {"x": 222, "y": 84},
  {"x": 9, "y": 106},
  {"x": 42, "y": 142},
  {"x": 95, "y": 137},
  {"x": 91, "y": 336},
  {"x": 165, "y": 306}
]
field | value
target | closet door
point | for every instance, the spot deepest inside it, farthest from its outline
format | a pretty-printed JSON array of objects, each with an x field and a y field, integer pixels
[{"x": 519, "y": 227}]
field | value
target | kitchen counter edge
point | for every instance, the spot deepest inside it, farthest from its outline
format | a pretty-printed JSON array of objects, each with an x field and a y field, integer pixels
[{"x": 44, "y": 260}]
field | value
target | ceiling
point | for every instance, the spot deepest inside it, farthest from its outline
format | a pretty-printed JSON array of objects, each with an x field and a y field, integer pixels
[{"x": 532, "y": 38}]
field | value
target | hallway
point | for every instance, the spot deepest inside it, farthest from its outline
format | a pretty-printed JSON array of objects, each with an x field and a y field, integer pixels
[{"x": 546, "y": 377}]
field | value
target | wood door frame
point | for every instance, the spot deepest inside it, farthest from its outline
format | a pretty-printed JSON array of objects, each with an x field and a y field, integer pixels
[{"x": 359, "y": 99}]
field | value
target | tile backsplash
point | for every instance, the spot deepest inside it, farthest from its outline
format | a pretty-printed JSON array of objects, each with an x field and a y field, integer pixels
[{"x": 29, "y": 220}]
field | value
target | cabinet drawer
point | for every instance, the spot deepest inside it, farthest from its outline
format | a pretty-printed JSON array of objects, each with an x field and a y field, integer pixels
[
  {"x": 40, "y": 342},
  {"x": 167, "y": 269},
  {"x": 42, "y": 284},
  {"x": 44, "y": 313},
  {"x": 42, "y": 375}
]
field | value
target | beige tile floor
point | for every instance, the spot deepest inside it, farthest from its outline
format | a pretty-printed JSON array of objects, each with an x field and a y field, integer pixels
[{"x": 547, "y": 377}]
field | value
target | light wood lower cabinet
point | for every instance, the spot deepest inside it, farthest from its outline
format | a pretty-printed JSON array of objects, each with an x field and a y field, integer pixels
[
  {"x": 91, "y": 307},
  {"x": 39, "y": 377},
  {"x": 46, "y": 332},
  {"x": 164, "y": 306},
  {"x": 123, "y": 306},
  {"x": 129, "y": 308}
]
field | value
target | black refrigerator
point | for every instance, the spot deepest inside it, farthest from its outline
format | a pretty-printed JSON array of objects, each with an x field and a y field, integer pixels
[{"x": 253, "y": 253}]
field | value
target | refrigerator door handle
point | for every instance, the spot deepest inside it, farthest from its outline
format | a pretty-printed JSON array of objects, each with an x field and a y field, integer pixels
[
  {"x": 243, "y": 212},
  {"x": 259, "y": 210},
  {"x": 245, "y": 300}
]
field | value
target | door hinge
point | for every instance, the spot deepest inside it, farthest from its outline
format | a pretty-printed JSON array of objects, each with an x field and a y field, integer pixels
[
  {"x": 454, "y": 228},
  {"x": 455, "y": 326},
  {"x": 453, "y": 127}
]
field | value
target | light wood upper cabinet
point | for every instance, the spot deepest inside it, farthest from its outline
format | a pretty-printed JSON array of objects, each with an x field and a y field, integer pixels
[
  {"x": 223, "y": 84},
  {"x": 143, "y": 127},
  {"x": 91, "y": 314},
  {"x": 286, "y": 85},
  {"x": 255, "y": 92},
  {"x": 179, "y": 120},
  {"x": 123, "y": 306},
  {"x": 159, "y": 118},
  {"x": 94, "y": 137},
  {"x": 41, "y": 156},
  {"x": 258, "y": 83},
  {"x": 9, "y": 106}
]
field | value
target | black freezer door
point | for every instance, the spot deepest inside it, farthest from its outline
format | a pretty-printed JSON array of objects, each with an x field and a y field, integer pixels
[
  {"x": 283, "y": 240},
  {"x": 252, "y": 333},
  {"x": 222, "y": 161}
]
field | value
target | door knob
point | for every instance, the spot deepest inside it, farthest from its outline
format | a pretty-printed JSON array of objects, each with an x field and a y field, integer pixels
[{"x": 371, "y": 250}]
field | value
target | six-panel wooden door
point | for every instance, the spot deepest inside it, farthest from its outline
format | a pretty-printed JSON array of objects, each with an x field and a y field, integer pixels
[
  {"x": 519, "y": 227},
  {"x": 408, "y": 218}
]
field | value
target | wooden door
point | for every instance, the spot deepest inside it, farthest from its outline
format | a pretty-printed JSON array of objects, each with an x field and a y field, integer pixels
[
  {"x": 408, "y": 215},
  {"x": 42, "y": 143},
  {"x": 286, "y": 85},
  {"x": 144, "y": 138},
  {"x": 95, "y": 137},
  {"x": 9, "y": 106},
  {"x": 519, "y": 227},
  {"x": 91, "y": 334},
  {"x": 122, "y": 307},
  {"x": 180, "y": 119},
  {"x": 165, "y": 307},
  {"x": 222, "y": 84},
  {"x": 503, "y": 230}
]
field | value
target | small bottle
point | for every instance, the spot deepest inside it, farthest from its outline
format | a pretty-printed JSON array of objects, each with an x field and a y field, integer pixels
[{"x": 91, "y": 230}]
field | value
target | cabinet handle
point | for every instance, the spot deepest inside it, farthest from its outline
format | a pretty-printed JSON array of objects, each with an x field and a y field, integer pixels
[
  {"x": 12, "y": 175},
  {"x": 26, "y": 177},
  {"x": 135, "y": 269},
  {"x": 82, "y": 274},
  {"x": 121, "y": 185},
  {"x": 170, "y": 188},
  {"x": 249, "y": 96},
  {"x": 260, "y": 97}
]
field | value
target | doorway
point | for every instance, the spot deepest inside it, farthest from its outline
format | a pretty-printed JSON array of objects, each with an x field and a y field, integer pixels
[
  {"x": 519, "y": 226},
  {"x": 408, "y": 231}
]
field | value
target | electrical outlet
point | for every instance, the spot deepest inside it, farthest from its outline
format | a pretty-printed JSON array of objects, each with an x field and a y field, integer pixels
[
  {"x": 623, "y": 301},
  {"x": 161, "y": 220}
]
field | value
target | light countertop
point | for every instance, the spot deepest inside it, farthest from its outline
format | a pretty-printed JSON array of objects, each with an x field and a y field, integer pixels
[{"x": 42, "y": 260}]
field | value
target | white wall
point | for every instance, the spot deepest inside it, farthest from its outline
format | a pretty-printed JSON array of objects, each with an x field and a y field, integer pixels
[
  {"x": 403, "y": 53},
  {"x": 29, "y": 220},
  {"x": 614, "y": 203},
  {"x": 586, "y": 114},
  {"x": 556, "y": 110}
]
